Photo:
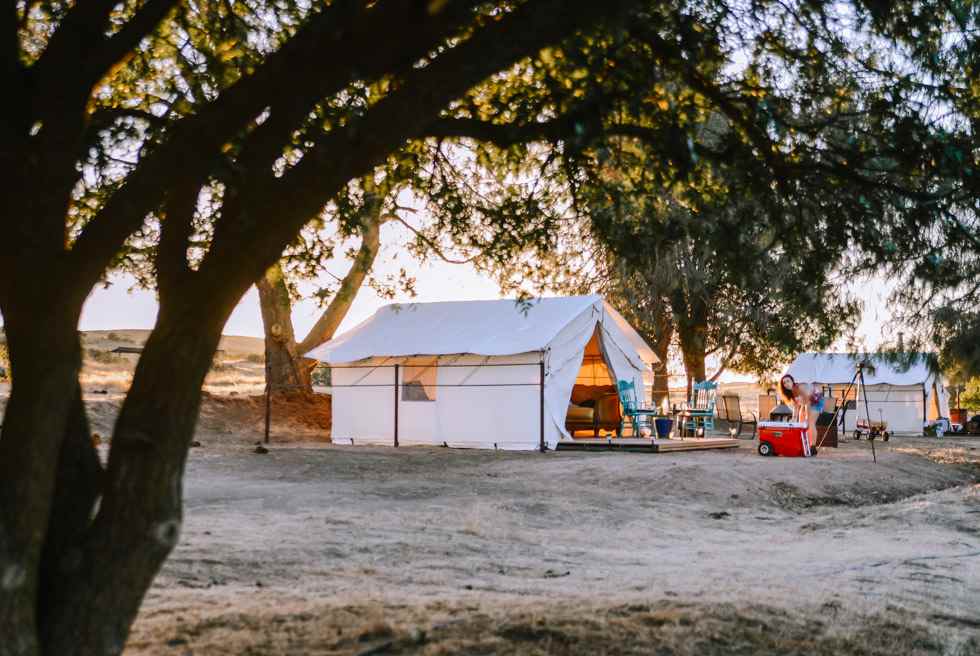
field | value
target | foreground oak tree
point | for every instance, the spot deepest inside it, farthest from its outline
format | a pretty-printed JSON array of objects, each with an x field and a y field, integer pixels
[
  {"x": 206, "y": 135},
  {"x": 79, "y": 544}
]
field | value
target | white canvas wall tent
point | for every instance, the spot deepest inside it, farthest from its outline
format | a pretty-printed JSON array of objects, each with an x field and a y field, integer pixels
[
  {"x": 481, "y": 374},
  {"x": 904, "y": 396}
]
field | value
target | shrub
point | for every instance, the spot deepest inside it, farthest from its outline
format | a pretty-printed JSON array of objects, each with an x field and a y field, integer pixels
[
  {"x": 220, "y": 362},
  {"x": 255, "y": 358},
  {"x": 116, "y": 337},
  {"x": 104, "y": 357},
  {"x": 321, "y": 376}
]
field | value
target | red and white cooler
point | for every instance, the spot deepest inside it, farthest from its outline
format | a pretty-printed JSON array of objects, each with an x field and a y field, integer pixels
[{"x": 785, "y": 438}]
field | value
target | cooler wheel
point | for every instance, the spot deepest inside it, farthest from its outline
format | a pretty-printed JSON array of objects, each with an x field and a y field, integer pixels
[{"x": 765, "y": 449}]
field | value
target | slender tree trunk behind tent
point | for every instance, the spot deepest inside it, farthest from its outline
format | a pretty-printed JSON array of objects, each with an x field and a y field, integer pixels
[
  {"x": 657, "y": 329},
  {"x": 693, "y": 353},
  {"x": 287, "y": 368},
  {"x": 661, "y": 375},
  {"x": 691, "y": 319}
]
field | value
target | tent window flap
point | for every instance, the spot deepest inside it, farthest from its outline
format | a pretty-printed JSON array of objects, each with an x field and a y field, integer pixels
[{"x": 419, "y": 383}]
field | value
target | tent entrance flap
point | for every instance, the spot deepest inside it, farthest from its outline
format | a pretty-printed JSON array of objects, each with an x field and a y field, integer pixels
[{"x": 594, "y": 403}]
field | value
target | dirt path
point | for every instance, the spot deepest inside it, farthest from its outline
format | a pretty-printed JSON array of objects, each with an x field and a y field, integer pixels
[{"x": 321, "y": 549}]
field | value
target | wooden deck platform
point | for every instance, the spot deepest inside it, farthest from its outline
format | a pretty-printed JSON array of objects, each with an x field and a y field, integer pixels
[{"x": 646, "y": 446}]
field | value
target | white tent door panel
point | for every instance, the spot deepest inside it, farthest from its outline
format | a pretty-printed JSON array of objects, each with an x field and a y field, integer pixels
[
  {"x": 563, "y": 364},
  {"x": 619, "y": 362},
  {"x": 899, "y": 405},
  {"x": 937, "y": 402}
]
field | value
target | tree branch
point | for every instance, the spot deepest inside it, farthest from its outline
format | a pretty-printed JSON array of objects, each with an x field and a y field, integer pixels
[
  {"x": 504, "y": 135},
  {"x": 117, "y": 47},
  {"x": 82, "y": 28},
  {"x": 405, "y": 113},
  {"x": 79, "y": 53},
  {"x": 176, "y": 228},
  {"x": 195, "y": 142},
  {"x": 325, "y": 327},
  {"x": 430, "y": 244},
  {"x": 288, "y": 111}
]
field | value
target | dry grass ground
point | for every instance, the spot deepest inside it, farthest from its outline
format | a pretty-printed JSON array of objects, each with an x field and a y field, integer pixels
[
  {"x": 238, "y": 368},
  {"x": 357, "y": 550},
  {"x": 319, "y": 549}
]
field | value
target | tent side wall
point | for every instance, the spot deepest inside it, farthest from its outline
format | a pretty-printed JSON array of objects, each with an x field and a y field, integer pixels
[
  {"x": 492, "y": 404},
  {"x": 481, "y": 406}
]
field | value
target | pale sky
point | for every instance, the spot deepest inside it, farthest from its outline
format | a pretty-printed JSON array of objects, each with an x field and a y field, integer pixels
[{"x": 117, "y": 307}]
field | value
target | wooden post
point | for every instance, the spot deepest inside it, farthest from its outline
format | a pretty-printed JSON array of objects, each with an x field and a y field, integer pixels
[
  {"x": 925, "y": 409},
  {"x": 543, "y": 446},
  {"x": 396, "y": 405},
  {"x": 268, "y": 404}
]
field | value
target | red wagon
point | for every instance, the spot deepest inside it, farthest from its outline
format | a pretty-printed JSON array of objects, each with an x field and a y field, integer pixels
[{"x": 785, "y": 438}]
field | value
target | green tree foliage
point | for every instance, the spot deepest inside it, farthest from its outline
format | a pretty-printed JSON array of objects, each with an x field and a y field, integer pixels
[
  {"x": 918, "y": 68},
  {"x": 970, "y": 398}
]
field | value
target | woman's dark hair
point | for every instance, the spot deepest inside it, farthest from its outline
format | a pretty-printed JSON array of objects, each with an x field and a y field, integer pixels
[{"x": 787, "y": 394}]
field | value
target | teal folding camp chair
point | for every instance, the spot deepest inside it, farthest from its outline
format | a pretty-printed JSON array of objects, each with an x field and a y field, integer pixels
[
  {"x": 632, "y": 409},
  {"x": 701, "y": 406}
]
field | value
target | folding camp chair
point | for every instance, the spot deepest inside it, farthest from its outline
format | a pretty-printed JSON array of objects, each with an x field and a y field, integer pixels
[
  {"x": 632, "y": 409},
  {"x": 701, "y": 407}
]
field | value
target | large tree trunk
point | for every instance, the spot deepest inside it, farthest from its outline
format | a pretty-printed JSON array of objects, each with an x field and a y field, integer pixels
[
  {"x": 45, "y": 358},
  {"x": 139, "y": 518},
  {"x": 693, "y": 353},
  {"x": 77, "y": 489},
  {"x": 287, "y": 368}
]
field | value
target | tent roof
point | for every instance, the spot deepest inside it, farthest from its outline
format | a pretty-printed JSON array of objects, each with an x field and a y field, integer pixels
[
  {"x": 503, "y": 327},
  {"x": 830, "y": 368}
]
